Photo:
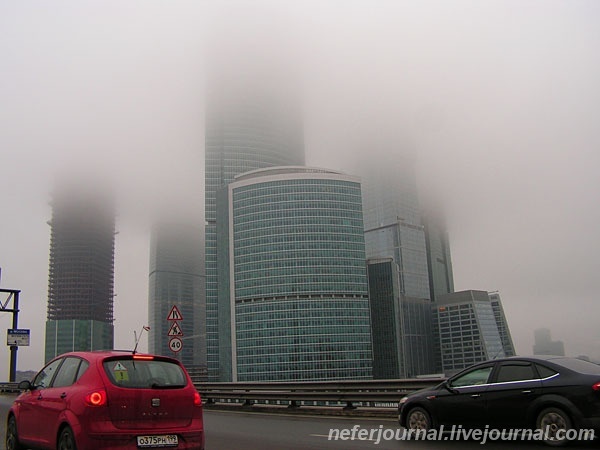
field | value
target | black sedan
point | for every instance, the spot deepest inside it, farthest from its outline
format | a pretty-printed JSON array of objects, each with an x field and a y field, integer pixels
[{"x": 552, "y": 394}]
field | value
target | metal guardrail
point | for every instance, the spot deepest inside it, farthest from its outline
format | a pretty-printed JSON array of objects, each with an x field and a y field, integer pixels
[
  {"x": 369, "y": 393},
  {"x": 9, "y": 387},
  {"x": 365, "y": 393}
]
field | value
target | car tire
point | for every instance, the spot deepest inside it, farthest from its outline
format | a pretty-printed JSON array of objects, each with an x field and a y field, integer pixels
[
  {"x": 552, "y": 421},
  {"x": 418, "y": 419},
  {"x": 12, "y": 436},
  {"x": 66, "y": 440}
]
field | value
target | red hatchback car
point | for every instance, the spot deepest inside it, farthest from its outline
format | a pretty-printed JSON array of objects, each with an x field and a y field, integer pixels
[{"x": 107, "y": 400}]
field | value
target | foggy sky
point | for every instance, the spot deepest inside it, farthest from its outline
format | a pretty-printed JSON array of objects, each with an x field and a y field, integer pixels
[{"x": 499, "y": 100}]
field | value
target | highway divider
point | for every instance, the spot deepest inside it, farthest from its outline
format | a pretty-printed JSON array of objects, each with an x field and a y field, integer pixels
[{"x": 383, "y": 394}]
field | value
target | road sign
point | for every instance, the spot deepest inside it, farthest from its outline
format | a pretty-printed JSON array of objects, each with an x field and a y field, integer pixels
[
  {"x": 17, "y": 337},
  {"x": 175, "y": 330},
  {"x": 175, "y": 344},
  {"x": 174, "y": 314}
]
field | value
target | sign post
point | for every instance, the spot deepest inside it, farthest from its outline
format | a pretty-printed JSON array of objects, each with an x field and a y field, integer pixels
[{"x": 14, "y": 295}]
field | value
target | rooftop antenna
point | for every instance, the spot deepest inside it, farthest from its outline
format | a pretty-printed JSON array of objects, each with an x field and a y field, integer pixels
[{"x": 137, "y": 339}]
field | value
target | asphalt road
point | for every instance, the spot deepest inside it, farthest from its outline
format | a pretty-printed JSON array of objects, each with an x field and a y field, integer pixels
[{"x": 226, "y": 430}]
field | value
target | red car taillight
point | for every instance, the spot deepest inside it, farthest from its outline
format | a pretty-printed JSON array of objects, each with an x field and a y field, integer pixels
[
  {"x": 96, "y": 398},
  {"x": 197, "y": 399},
  {"x": 596, "y": 387}
]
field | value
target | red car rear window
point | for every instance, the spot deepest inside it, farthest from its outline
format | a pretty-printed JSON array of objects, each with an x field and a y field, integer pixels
[{"x": 144, "y": 374}]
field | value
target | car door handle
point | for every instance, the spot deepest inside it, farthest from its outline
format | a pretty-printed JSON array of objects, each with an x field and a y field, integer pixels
[
  {"x": 63, "y": 395},
  {"x": 526, "y": 392},
  {"x": 39, "y": 397},
  {"x": 475, "y": 395}
]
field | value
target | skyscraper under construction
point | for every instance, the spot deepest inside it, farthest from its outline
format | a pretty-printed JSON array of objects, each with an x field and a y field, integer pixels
[{"x": 81, "y": 273}]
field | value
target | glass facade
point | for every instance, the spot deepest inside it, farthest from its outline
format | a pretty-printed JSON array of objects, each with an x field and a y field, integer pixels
[
  {"x": 405, "y": 243},
  {"x": 401, "y": 326},
  {"x": 76, "y": 335},
  {"x": 505, "y": 337},
  {"x": 177, "y": 279},
  {"x": 243, "y": 134},
  {"x": 393, "y": 222},
  {"x": 467, "y": 330},
  {"x": 394, "y": 230},
  {"x": 296, "y": 268},
  {"x": 441, "y": 278}
]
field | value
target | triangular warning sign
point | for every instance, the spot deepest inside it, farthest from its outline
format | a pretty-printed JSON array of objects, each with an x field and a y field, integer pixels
[
  {"x": 174, "y": 314},
  {"x": 175, "y": 330},
  {"x": 119, "y": 367}
]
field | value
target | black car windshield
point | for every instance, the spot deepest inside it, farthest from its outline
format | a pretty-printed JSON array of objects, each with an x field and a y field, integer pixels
[
  {"x": 144, "y": 374},
  {"x": 578, "y": 365}
]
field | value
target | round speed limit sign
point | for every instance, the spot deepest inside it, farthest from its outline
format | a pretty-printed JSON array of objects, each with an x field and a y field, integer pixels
[{"x": 175, "y": 344}]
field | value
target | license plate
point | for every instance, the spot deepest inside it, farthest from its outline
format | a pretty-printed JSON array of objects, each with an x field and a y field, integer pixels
[{"x": 161, "y": 440}]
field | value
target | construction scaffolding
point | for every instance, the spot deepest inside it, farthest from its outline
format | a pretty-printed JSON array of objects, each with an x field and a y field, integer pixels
[{"x": 81, "y": 271}]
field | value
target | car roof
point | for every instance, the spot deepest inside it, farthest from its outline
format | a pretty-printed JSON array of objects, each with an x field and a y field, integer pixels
[{"x": 535, "y": 358}]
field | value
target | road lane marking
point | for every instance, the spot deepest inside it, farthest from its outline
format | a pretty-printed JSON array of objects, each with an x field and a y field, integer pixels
[{"x": 354, "y": 439}]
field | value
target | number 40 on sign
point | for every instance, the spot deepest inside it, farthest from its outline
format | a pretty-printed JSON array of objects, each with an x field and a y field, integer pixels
[{"x": 175, "y": 344}]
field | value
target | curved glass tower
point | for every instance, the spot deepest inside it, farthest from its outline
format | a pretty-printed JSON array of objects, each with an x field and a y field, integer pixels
[
  {"x": 292, "y": 254},
  {"x": 243, "y": 132}
]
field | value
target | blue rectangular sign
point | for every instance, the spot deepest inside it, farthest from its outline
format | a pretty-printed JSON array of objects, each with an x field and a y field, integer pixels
[{"x": 17, "y": 337}]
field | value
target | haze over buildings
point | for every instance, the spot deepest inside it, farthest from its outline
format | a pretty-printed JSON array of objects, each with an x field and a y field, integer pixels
[
  {"x": 498, "y": 100},
  {"x": 81, "y": 273},
  {"x": 177, "y": 280},
  {"x": 248, "y": 127},
  {"x": 545, "y": 345}
]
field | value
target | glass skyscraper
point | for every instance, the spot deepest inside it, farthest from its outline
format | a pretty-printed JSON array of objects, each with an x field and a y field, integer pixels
[
  {"x": 402, "y": 335},
  {"x": 467, "y": 329},
  {"x": 505, "y": 337},
  {"x": 394, "y": 231},
  {"x": 245, "y": 130},
  {"x": 81, "y": 273},
  {"x": 291, "y": 257},
  {"x": 177, "y": 279},
  {"x": 393, "y": 222},
  {"x": 441, "y": 278}
]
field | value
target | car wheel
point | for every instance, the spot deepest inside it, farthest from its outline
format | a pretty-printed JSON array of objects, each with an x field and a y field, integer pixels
[
  {"x": 418, "y": 419},
  {"x": 66, "y": 441},
  {"x": 12, "y": 437},
  {"x": 554, "y": 424}
]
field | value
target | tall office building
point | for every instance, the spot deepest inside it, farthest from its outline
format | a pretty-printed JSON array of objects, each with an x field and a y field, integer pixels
[
  {"x": 401, "y": 325},
  {"x": 439, "y": 261},
  {"x": 502, "y": 323},
  {"x": 393, "y": 221},
  {"x": 81, "y": 274},
  {"x": 246, "y": 129},
  {"x": 293, "y": 298},
  {"x": 394, "y": 230},
  {"x": 466, "y": 329},
  {"x": 177, "y": 281}
]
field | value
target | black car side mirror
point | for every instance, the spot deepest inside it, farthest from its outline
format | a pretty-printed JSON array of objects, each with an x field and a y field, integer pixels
[
  {"x": 446, "y": 385},
  {"x": 25, "y": 385}
]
